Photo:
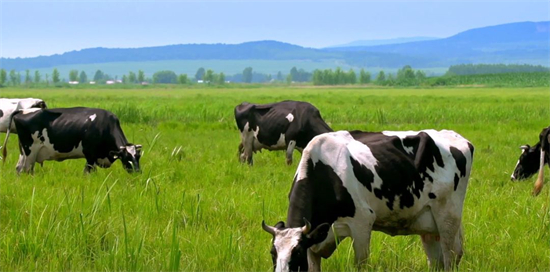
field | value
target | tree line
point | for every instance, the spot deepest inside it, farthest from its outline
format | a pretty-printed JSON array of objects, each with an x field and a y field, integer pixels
[
  {"x": 405, "y": 76},
  {"x": 476, "y": 69}
]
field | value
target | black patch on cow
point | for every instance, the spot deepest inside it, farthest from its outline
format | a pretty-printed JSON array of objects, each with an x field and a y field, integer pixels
[
  {"x": 459, "y": 159},
  {"x": 362, "y": 173},
  {"x": 471, "y": 147},
  {"x": 402, "y": 172},
  {"x": 371, "y": 211},
  {"x": 320, "y": 197},
  {"x": 457, "y": 179},
  {"x": 431, "y": 195},
  {"x": 1, "y": 113}
]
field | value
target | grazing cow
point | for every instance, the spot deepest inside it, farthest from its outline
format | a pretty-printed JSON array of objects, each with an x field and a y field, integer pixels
[
  {"x": 71, "y": 133},
  {"x": 278, "y": 126},
  {"x": 9, "y": 105},
  {"x": 533, "y": 159},
  {"x": 354, "y": 182}
]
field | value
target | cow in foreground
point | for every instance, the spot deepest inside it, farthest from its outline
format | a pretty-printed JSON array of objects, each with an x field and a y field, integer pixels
[
  {"x": 533, "y": 159},
  {"x": 284, "y": 125},
  {"x": 9, "y": 105},
  {"x": 351, "y": 183},
  {"x": 72, "y": 133}
]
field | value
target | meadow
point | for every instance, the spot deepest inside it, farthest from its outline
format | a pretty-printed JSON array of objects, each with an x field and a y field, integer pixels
[{"x": 196, "y": 208}]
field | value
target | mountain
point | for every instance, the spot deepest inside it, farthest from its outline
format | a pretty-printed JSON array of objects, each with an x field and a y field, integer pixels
[
  {"x": 525, "y": 42},
  {"x": 383, "y": 41}
]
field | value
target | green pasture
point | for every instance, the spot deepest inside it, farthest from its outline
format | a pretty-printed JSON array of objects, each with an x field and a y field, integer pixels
[{"x": 196, "y": 208}]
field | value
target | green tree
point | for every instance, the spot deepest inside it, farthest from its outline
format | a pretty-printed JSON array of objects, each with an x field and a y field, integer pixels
[
  {"x": 318, "y": 77},
  {"x": 73, "y": 75},
  {"x": 209, "y": 76},
  {"x": 352, "y": 77},
  {"x": 141, "y": 76},
  {"x": 98, "y": 76},
  {"x": 124, "y": 79},
  {"x": 182, "y": 79},
  {"x": 83, "y": 78},
  {"x": 164, "y": 77},
  {"x": 280, "y": 76},
  {"x": 13, "y": 77},
  {"x": 37, "y": 77},
  {"x": 3, "y": 76},
  {"x": 221, "y": 78},
  {"x": 132, "y": 77},
  {"x": 364, "y": 77},
  {"x": 288, "y": 79},
  {"x": 247, "y": 75},
  {"x": 381, "y": 78},
  {"x": 199, "y": 75},
  {"x": 28, "y": 78},
  {"x": 55, "y": 76}
]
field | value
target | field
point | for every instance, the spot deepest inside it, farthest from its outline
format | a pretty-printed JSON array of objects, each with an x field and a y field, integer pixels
[{"x": 196, "y": 208}]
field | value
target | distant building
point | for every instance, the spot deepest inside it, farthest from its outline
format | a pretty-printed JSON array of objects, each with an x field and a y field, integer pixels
[
  {"x": 118, "y": 81},
  {"x": 200, "y": 81},
  {"x": 73, "y": 82},
  {"x": 110, "y": 82},
  {"x": 92, "y": 82},
  {"x": 144, "y": 83}
]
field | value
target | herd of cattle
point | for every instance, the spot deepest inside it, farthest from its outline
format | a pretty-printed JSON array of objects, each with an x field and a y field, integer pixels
[{"x": 347, "y": 183}]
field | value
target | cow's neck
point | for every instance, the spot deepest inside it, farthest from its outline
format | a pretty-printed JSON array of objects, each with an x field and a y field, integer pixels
[
  {"x": 319, "y": 196},
  {"x": 120, "y": 139},
  {"x": 300, "y": 204}
]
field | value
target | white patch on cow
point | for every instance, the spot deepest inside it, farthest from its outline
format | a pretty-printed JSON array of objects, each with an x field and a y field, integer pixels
[
  {"x": 285, "y": 241},
  {"x": 281, "y": 142},
  {"x": 290, "y": 117},
  {"x": 45, "y": 150},
  {"x": 105, "y": 162},
  {"x": 92, "y": 117},
  {"x": 131, "y": 149}
]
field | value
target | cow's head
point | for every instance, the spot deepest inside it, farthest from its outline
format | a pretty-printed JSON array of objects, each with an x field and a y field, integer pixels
[
  {"x": 129, "y": 155},
  {"x": 528, "y": 163},
  {"x": 290, "y": 245}
]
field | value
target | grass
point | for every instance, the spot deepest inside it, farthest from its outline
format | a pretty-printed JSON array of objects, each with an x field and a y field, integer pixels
[{"x": 195, "y": 208}]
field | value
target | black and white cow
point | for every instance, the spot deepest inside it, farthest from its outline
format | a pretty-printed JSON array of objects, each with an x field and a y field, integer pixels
[
  {"x": 9, "y": 105},
  {"x": 71, "y": 133},
  {"x": 400, "y": 183},
  {"x": 284, "y": 125},
  {"x": 533, "y": 159}
]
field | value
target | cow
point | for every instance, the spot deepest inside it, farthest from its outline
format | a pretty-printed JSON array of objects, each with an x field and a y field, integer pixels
[
  {"x": 284, "y": 125},
  {"x": 533, "y": 159},
  {"x": 9, "y": 105},
  {"x": 72, "y": 133},
  {"x": 354, "y": 182}
]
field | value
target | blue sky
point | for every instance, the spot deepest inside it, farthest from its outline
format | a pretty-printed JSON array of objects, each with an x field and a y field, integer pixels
[{"x": 32, "y": 28}]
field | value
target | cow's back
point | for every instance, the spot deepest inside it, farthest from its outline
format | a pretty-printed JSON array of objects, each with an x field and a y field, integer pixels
[{"x": 397, "y": 174}]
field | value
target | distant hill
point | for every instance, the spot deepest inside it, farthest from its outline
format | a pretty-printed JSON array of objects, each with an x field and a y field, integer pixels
[
  {"x": 526, "y": 42},
  {"x": 383, "y": 41}
]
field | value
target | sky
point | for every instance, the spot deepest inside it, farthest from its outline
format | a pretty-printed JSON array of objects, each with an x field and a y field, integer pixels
[{"x": 30, "y": 28}]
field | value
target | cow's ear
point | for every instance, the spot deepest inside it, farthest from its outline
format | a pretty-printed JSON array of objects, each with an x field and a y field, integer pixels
[
  {"x": 319, "y": 234},
  {"x": 114, "y": 154},
  {"x": 280, "y": 225},
  {"x": 138, "y": 147}
]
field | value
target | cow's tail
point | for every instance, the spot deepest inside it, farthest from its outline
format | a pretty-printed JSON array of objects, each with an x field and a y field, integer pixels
[{"x": 5, "y": 145}]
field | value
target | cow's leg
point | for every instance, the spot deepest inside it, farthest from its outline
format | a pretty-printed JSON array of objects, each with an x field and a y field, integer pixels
[
  {"x": 313, "y": 261},
  {"x": 247, "y": 142},
  {"x": 448, "y": 225},
  {"x": 290, "y": 148},
  {"x": 433, "y": 250},
  {"x": 361, "y": 229}
]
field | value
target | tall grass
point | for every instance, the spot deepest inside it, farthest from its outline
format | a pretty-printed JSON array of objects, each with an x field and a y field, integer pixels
[{"x": 196, "y": 208}]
